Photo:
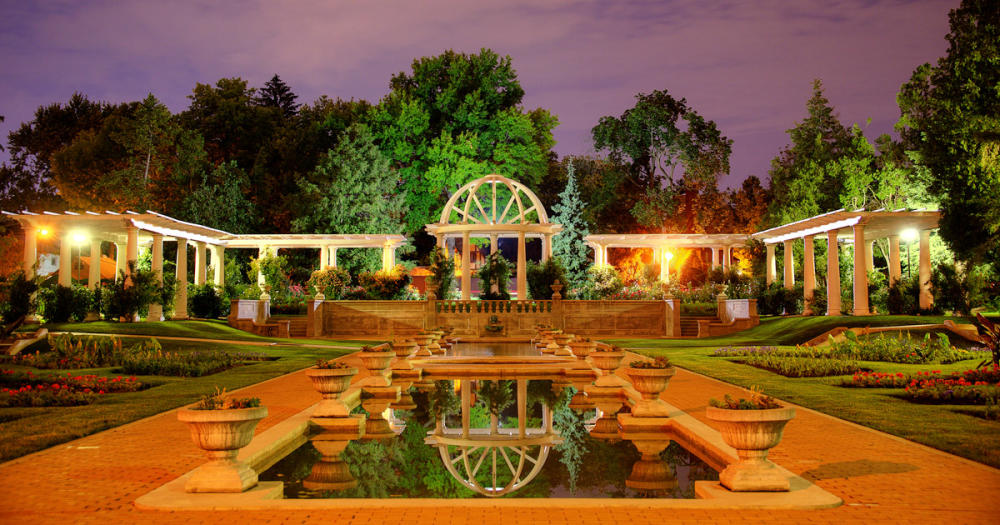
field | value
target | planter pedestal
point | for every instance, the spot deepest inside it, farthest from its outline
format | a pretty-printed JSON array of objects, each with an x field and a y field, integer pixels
[
  {"x": 221, "y": 434},
  {"x": 330, "y": 383},
  {"x": 376, "y": 401},
  {"x": 752, "y": 433}
]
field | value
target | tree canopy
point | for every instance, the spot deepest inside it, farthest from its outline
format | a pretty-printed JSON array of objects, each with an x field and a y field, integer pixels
[{"x": 951, "y": 121}]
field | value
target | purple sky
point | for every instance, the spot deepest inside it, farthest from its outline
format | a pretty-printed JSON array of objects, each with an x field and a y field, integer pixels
[{"x": 746, "y": 65}]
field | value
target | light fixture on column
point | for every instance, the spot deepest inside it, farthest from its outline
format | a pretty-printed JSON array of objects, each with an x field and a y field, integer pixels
[
  {"x": 666, "y": 257},
  {"x": 908, "y": 236},
  {"x": 43, "y": 232}
]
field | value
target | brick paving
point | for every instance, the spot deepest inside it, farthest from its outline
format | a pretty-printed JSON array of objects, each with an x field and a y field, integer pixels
[{"x": 882, "y": 479}]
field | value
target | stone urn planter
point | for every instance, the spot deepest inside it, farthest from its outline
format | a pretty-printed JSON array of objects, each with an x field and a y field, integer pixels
[
  {"x": 607, "y": 360},
  {"x": 650, "y": 378},
  {"x": 752, "y": 433},
  {"x": 376, "y": 361},
  {"x": 330, "y": 381},
  {"x": 422, "y": 341},
  {"x": 222, "y": 433},
  {"x": 582, "y": 348},
  {"x": 404, "y": 349}
]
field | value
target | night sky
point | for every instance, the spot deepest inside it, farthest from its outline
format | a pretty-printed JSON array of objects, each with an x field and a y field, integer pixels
[{"x": 747, "y": 65}]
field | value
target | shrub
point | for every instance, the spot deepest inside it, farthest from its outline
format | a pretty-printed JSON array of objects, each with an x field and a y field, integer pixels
[
  {"x": 757, "y": 401},
  {"x": 541, "y": 277},
  {"x": 442, "y": 270},
  {"x": 16, "y": 296},
  {"x": 777, "y": 300},
  {"x": 330, "y": 282},
  {"x": 602, "y": 281},
  {"x": 878, "y": 291},
  {"x": 703, "y": 309},
  {"x": 802, "y": 366},
  {"x": 118, "y": 301},
  {"x": 495, "y": 273},
  {"x": 274, "y": 268},
  {"x": 60, "y": 304},
  {"x": 205, "y": 301},
  {"x": 382, "y": 285},
  {"x": 904, "y": 296}
]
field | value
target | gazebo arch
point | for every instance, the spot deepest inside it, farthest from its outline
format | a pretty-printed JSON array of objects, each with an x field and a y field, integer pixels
[{"x": 495, "y": 206}]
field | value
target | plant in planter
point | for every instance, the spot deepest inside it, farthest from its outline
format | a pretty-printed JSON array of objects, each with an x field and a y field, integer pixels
[
  {"x": 330, "y": 379},
  {"x": 222, "y": 426},
  {"x": 376, "y": 359},
  {"x": 752, "y": 426},
  {"x": 582, "y": 347},
  {"x": 650, "y": 377}
]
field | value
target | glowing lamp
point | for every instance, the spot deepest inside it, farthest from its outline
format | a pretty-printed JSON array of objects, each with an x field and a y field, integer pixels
[
  {"x": 44, "y": 232},
  {"x": 909, "y": 235},
  {"x": 79, "y": 237}
]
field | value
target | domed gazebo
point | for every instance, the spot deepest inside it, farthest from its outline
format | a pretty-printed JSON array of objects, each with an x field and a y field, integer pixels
[{"x": 495, "y": 206}]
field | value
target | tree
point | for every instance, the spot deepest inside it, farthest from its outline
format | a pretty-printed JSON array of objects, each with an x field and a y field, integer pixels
[
  {"x": 356, "y": 191},
  {"x": 219, "y": 202},
  {"x": 950, "y": 119},
  {"x": 799, "y": 185},
  {"x": 652, "y": 140},
  {"x": 569, "y": 246},
  {"x": 277, "y": 94},
  {"x": 456, "y": 117}
]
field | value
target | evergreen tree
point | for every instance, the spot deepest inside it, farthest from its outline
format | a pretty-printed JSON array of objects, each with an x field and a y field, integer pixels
[
  {"x": 568, "y": 246},
  {"x": 277, "y": 94},
  {"x": 355, "y": 191},
  {"x": 219, "y": 201}
]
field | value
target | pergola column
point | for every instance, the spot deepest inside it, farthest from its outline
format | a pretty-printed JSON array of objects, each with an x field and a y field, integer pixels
[
  {"x": 94, "y": 274},
  {"x": 832, "y": 274},
  {"x": 388, "y": 257},
  {"x": 65, "y": 260},
  {"x": 180, "y": 296},
  {"x": 860, "y": 271},
  {"x": 715, "y": 257},
  {"x": 769, "y": 266},
  {"x": 131, "y": 251},
  {"x": 789, "y": 265},
  {"x": 119, "y": 259},
  {"x": 324, "y": 257},
  {"x": 262, "y": 251},
  {"x": 924, "y": 274},
  {"x": 493, "y": 243},
  {"x": 30, "y": 250},
  {"x": 522, "y": 281},
  {"x": 156, "y": 309},
  {"x": 200, "y": 263},
  {"x": 895, "y": 271},
  {"x": 466, "y": 267},
  {"x": 333, "y": 256},
  {"x": 870, "y": 256},
  {"x": 546, "y": 247},
  {"x": 808, "y": 273},
  {"x": 219, "y": 265},
  {"x": 727, "y": 257}
]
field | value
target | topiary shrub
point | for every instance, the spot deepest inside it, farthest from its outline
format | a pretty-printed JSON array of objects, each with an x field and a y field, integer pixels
[
  {"x": 495, "y": 272},
  {"x": 205, "y": 301},
  {"x": 330, "y": 281},
  {"x": 541, "y": 277},
  {"x": 602, "y": 281}
]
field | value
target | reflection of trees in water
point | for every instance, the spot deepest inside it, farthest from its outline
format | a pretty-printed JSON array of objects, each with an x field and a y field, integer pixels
[
  {"x": 571, "y": 451},
  {"x": 686, "y": 466}
]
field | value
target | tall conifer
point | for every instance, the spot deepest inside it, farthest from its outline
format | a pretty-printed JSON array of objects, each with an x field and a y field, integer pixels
[{"x": 569, "y": 246}]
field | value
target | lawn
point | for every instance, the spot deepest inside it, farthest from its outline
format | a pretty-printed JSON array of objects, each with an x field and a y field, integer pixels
[
  {"x": 952, "y": 428},
  {"x": 27, "y": 429}
]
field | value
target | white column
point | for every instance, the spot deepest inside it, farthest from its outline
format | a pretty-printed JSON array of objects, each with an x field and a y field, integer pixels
[
  {"x": 388, "y": 256},
  {"x": 808, "y": 273},
  {"x": 597, "y": 254},
  {"x": 522, "y": 279},
  {"x": 132, "y": 246},
  {"x": 870, "y": 256},
  {"x": 604, "y": 254},
  {"x": 324, "y": 257},
  {"x": 769, "y": 266},
  {"x": 924, "y": 273},
  {"x": 65, "y": 260},
  {"x": 262, "y": 251},
  {"x": 30, "y": 250},
  {"x": 546, "y": 247},
  {"x": 200, "y": 263},
  {"x": 789, "y": 265},
  {"x": 120, "y": 265},
  {"x": 156, "y": 310},
  {"x": 860, "y": 271},
  {"x": 466, "y": 267},
  {"x": 180, "y": 296},
  {"x": 219, "y": 265},
  {"x": 832, "y": 274},
  {"x": 333, "y": 256},
  {"x": 94, "y": 275},
  {"x": 727, "y": 257},
  {"x": 895, "y": 272},
  {"x": 715, "y": 257}
]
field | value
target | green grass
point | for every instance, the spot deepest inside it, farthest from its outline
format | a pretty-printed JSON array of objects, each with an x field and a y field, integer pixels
[
  {"x": 952, "y": 428},
  {"x": 27, "y": 429},
  {"x": 191, "y": 329}
]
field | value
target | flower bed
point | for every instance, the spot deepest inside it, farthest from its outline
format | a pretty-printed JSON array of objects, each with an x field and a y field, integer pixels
[
  {"x": 146, "y": 358},
  {"x": 27, "y": 389},
  {"x": 977, "y": 376},
  {"x": 884, "y": 348},
  {"x": 802, "y": 366}
]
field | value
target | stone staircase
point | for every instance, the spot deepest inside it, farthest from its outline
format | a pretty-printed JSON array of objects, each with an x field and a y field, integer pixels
[
  {"x": 297, "y": 325},
  {"x": 689, "y": 324}
]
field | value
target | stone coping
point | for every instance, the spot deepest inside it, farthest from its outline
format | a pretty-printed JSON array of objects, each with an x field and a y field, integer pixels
[{"x": 270, "y": 446}]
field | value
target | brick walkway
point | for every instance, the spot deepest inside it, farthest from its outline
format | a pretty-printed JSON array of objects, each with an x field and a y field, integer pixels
[{"x": 882, "y": 479}]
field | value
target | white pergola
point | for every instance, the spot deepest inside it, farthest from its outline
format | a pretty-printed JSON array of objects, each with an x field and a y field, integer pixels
[
  {"x": 494, "y": 207},
  {"x": 662, "y": 243},
  {"x": 128, "y": 230},
  {"x": 860, "y": 228}
]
